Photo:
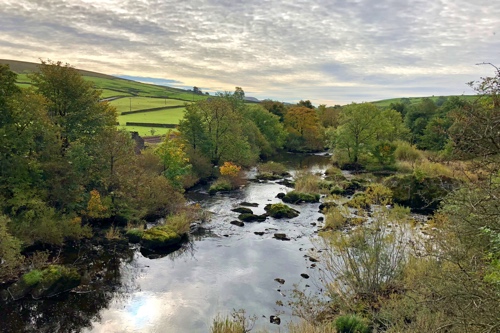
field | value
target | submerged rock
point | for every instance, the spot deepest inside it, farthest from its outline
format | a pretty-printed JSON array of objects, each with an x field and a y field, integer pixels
[
  {"x": 280, "y": 281},
  {"x": 304, "y": 275},
  {"x": 237, "y": 223},
  {"x": 281, "y": 236},
  {"x": 259, "y": 233},
  {"x": 252, "y": 217},
  {"x": 275, "y": 320},
  {"x": 249, "y": 204},
  {"x": 242, "y": 210}
]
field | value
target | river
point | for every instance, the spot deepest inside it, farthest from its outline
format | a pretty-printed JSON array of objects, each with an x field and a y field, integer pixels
[{"x": 225, "y": 267}]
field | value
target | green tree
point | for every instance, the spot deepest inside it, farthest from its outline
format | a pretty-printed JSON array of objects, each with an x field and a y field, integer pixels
[
  {"x": 73, "y": 103},
  {"x": 358, "y": 129},
  {"x": 275, "y": 107}
]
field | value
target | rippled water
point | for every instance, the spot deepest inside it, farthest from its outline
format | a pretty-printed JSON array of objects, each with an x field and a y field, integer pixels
[{"x": 227, "y": 268}]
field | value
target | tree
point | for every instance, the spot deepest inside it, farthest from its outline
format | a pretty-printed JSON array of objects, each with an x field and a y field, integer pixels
[
  {"x": 358, "y": 129},
  {"x": 239, "y": 93},
  {"x": 306, "y": 103},
  {"x": 73, "y": 103},
  {"x": 275, "y": 107},
  {"x": 305, "y": 132}
]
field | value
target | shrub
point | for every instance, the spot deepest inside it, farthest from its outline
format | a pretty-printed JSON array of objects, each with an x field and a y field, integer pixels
[
  {"x": 335, "y": 218},
  {"x": 407, "y": 152},
  {"x": 180, "y": 222},
  {"x": 351, "y": 324},
  {"x": 229, "y": 169},
  {"x": 273, "y": 168},
  {"x": 220, "y": 185}
]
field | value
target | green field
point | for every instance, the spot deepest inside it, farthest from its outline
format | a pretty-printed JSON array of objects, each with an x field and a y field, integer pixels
[
  {"x": 416, "y": 100},
  {"x": 168, "y": 116},
  {"x": 110, "y": 85},
  {"x": 140, "y": 103},
  {"x": 146, "y": 131},
  {"x": 106, "y": 93}
]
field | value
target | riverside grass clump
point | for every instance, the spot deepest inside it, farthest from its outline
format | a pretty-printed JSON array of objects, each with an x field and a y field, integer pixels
[{"x": 271, "y": 171}]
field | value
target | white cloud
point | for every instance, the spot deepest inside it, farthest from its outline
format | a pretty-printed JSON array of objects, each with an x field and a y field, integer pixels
[{"x": 320, "y": 50}]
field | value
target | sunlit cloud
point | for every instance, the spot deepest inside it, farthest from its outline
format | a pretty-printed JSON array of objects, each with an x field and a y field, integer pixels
[{"x": 283, "y": 50}]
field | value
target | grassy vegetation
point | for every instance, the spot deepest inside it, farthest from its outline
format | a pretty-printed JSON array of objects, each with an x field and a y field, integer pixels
[
  {"x": 168, "y": 116},
  {"x": 146, "y": 131},
  {"x": 141, "y": 103},
  {"x": 415, "y": 100}
]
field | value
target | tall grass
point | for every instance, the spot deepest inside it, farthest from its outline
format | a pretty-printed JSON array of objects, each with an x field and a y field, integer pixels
[{"x": 307, "y": 182}]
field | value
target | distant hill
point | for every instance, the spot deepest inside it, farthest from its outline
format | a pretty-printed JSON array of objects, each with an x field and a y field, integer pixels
[{"x": 23, "y": 67}]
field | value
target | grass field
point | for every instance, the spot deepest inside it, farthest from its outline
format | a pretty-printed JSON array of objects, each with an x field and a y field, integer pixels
[
  {"x": 106, "y": 93},
  {"x": 111, "y": 86},
  {"x": 416, "y": 100},
  {"x": 146, "y": 131},
  {"x": 140, "y": 103},
  {"x": 168, "y": 116}
]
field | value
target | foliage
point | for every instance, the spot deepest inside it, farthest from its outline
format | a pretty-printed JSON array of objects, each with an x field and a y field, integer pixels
[
  {"x": 351, "y": 324},
  {"x": 307, "y": 182},
  {"x": 95, "y": 208},
  {"x": 220, "y": 185},
  {"x": 272, "y": 168},
  {"x": 407, "y": 152},
  {"x": 361, "y": 127},
  {"x": 10, "y": 257},
  {"x": 303, "y": 126},
  {"x": 238, "y": 322},
  {"x": 384, "y": 152},
  {"x": 365, "y": 264},
  {"x": 175, "y": 161},
  {"x": 229, "y": 169}
]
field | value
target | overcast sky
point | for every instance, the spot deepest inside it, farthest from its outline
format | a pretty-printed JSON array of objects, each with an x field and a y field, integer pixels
[{"x": 331, "y": 52}]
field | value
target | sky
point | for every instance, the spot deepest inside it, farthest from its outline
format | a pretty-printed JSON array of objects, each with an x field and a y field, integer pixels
[{"x": 330, "y": 52}]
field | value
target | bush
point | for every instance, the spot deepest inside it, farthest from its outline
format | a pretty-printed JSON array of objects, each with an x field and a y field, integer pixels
[
  {"x": 220, "y": 185},
  {"x": 351, "y": 324},
  {"x": 11, "y": 259},
  {"x": 180, "y": 223},
  {"x": 273, "y": 168},
  {"x": 407, "y": 152}
]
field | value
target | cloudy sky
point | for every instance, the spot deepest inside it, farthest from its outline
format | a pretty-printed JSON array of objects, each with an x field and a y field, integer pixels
[{"x": 328, "y": 51}]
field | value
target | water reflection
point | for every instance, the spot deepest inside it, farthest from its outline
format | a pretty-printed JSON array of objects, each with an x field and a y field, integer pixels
[{"x": 224, "y": 267}]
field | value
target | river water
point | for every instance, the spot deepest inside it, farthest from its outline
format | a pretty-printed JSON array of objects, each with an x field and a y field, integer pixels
[{"x": 224, "y": 268}]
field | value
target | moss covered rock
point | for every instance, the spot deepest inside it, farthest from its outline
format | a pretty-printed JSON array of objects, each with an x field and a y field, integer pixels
[
  {"x": 252, "y": 217},
  {"x": 280, "y": 210},
  {"x": 242, "y": 210},
  {"x": 160, "y": 237},
  {"x": 50, "y": 281},
  {"x": 295, "y": 197}
]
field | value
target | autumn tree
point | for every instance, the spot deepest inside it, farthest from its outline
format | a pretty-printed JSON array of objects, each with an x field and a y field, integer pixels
[{"x": 305, "y": 132}]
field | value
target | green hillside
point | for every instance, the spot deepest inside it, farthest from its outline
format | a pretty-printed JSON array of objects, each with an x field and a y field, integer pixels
[
  {"x": 126, "y": 96},
  {"x": 415, "y": 100}
]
